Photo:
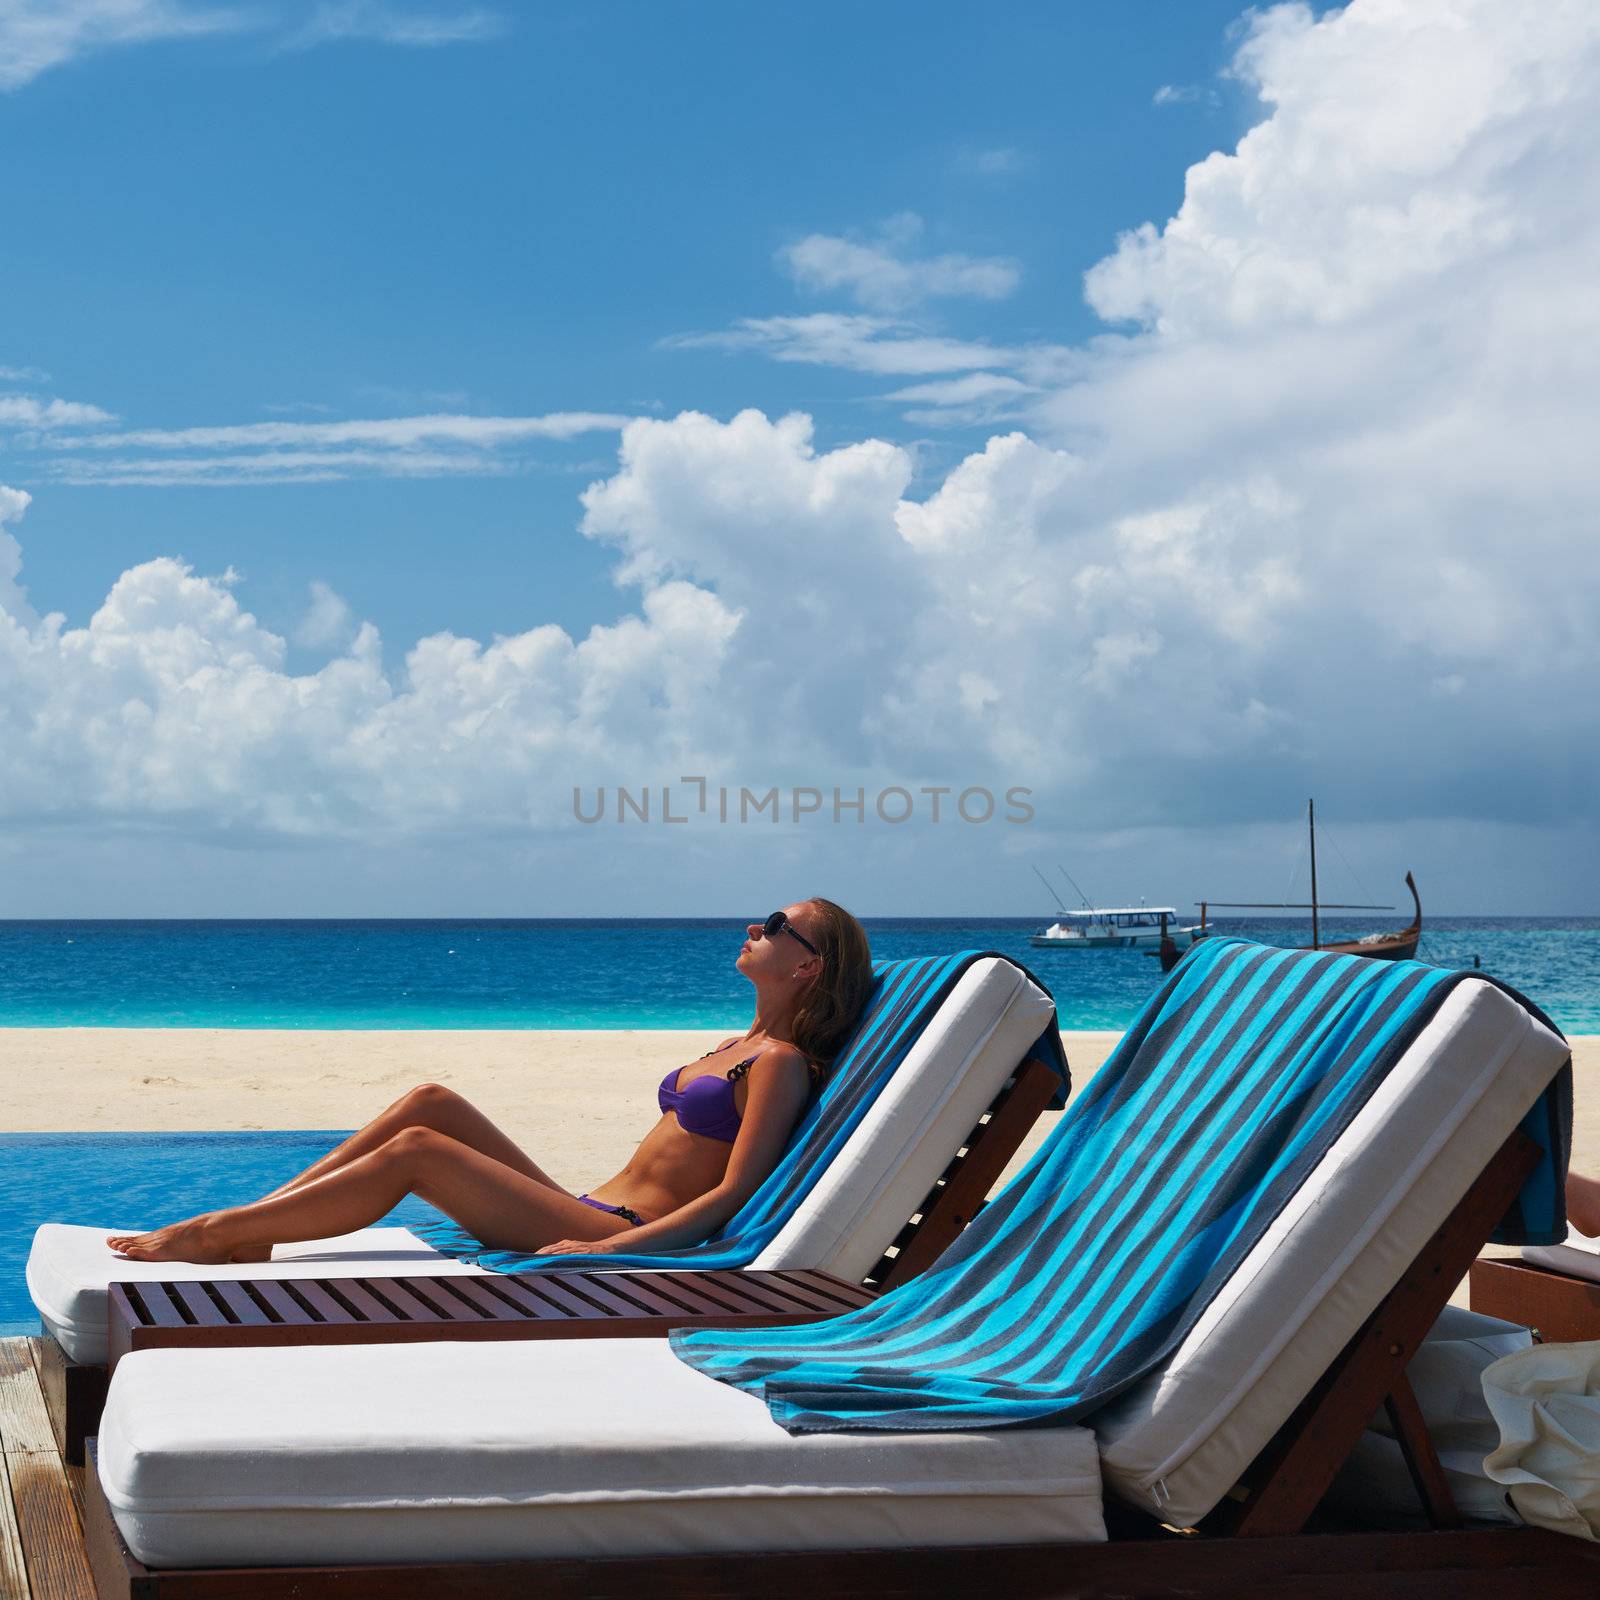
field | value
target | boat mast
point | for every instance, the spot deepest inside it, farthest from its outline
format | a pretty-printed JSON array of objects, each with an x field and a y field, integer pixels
[
  {"x": 1311, "y": 822},
  {"x": 1052, "y": 888}
]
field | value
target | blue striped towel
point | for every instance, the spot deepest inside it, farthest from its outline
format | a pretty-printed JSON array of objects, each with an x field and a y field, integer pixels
[
  {"x": 904, "y": 998},
  {"x": 1097, "y": 1259}
]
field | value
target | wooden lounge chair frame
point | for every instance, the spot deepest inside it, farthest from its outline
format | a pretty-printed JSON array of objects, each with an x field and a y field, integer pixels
[
  {"x": 75, "y": 1391},
  {"x": 1252, "y": 1545},
  {"x": 1556, "y": 1305}
]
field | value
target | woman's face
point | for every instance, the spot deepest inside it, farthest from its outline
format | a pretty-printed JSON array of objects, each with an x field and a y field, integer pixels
[{"x": 782, "y": 956}]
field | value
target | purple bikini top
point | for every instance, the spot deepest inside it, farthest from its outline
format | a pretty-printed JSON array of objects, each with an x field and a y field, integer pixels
[{"x": 705, "y": 1105}]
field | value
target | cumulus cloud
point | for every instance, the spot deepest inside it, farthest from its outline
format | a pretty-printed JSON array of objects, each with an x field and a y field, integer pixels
[
  {"x": 13, "y": 602},
  {"x": 1320, "y": 518},
  {"x": 173, "y": 708},
  {"x": 327, "y": 619},
  {"x": 1399, "y": 144},
  {"x": 879, "y": 274}
]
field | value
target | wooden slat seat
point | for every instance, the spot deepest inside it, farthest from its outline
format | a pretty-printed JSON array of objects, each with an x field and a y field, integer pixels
[{"x": 568, "y": 1305}]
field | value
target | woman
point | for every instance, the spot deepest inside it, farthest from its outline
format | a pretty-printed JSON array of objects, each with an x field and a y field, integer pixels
[{"x": 724, "y": 1123}]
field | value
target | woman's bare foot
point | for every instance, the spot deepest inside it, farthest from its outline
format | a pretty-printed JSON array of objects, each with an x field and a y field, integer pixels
[
  {"x": 198, "y": 1239},
  {"x": 1583, "y": 1204}
]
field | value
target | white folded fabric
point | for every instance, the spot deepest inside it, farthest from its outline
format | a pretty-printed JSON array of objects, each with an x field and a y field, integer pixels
[{"x": 1578, "y": 1256}]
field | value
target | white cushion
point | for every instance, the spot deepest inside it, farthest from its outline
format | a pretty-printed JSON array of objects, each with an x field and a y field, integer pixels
[
  {"x": 70, "y": 1269},
  {"x": 1178, "y": 1441},
  {"x": 906, "y": 1139},
  {"x": 581, "y": 1447},
  {"x": 1578, "y": 1256},
  {"x": 919, "y": 1120}
]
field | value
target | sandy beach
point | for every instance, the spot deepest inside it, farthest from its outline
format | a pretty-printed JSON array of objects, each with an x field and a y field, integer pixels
[{"x": 578, "y": 1101}]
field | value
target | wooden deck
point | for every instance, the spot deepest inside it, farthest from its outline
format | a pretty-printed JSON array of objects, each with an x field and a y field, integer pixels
[
  {"x": 42, "y": 1553},
  {"x": 41, "y": 1499}
]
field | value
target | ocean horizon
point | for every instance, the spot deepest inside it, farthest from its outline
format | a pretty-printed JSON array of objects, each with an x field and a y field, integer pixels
[{"x": 619, "y": 973}]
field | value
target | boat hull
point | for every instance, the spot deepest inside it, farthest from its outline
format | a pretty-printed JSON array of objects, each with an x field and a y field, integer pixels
[
  {"x": 1136, "y": 940},
  {"x": 1387, "y": 947}
]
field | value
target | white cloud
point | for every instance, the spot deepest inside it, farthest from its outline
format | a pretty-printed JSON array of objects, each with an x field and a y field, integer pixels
[
  {"x": 1399, "y": 142},
  {"x": 173, "y": 709},
  {"x": 972, "y": 400},
  {"x": 441, "y": 445},
  {"x": 22, "y": 375},
  {"x": 858, "y": 343},
  {"x": 36, "y": 35},
  {"x": 399, "y": 433},
  {"x": 877, "y": 274},
  {"x": 964, "y": 390},
  {"x": 1184, "y": 94},
  {"x": 340, "y": 21},
  {"x": 1323, "y": 522},
  {"x": 327, "y": 619},
  {"x": 27, "y": 411},
  {"x": 1329, "y": 511},
  {"x": 897, "y": 348},
  {"x": 994, "y": 161},
  {"x": 13, "y": 502}
]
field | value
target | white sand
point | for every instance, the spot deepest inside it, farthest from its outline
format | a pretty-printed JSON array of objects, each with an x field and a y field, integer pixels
[{"x": 577, "y": 1101}]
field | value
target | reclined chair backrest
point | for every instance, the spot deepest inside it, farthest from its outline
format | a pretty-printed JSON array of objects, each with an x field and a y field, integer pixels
[
  {"x": 1250, "y": 1076},
  {"x": 939, "y": 1037},
  {"x": 1181, "y": 1439},
  {"x": 956, "y": 1067}
]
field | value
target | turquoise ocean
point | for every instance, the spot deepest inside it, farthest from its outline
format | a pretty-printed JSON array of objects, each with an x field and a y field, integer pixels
[
  {"x": 607, "y": 973},
  {"x": 618, "y": 972}
]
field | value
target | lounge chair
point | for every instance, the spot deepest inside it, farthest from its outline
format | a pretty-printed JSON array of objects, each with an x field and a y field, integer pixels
[
  {"x": 972, "y": 1077},
  {"x": 573, "y": 1468},
  {"x": 1552, "y": 1288}
]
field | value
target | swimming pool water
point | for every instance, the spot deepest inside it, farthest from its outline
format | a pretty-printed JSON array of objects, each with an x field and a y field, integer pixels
[{"x": 124, "y": 1181}]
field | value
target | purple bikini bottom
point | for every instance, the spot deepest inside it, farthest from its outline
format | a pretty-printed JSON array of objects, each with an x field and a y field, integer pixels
[{"x": 627, "y": 1213}]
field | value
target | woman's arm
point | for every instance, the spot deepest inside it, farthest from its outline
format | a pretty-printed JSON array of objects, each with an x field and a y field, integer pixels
[{"x": 780, "y": 1083}]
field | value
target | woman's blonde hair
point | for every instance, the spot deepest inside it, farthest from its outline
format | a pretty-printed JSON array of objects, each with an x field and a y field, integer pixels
[{"x": 833, "y": 1004}]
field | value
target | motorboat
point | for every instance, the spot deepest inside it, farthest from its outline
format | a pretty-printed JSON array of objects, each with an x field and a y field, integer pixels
[{"x": 1116, "y": 928}]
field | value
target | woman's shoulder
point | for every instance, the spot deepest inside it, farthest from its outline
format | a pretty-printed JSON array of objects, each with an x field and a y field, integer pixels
[{"x": 781, "y": 1056}]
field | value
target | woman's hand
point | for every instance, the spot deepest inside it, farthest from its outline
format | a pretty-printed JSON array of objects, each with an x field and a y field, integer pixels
[{"x": 580, "y": 1247}]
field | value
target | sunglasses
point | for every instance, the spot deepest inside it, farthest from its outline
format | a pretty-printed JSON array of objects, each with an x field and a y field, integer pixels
[{"x": 778, "y": 923}]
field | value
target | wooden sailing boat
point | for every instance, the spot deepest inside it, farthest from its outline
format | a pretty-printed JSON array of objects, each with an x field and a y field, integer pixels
[{"x": 1401, "y": 945}]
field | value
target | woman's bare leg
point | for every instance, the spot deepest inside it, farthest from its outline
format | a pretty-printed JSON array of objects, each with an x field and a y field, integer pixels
[
  {"x": 1583, "y": 1204},
  {"x": 506, "y": 1209},
  {"x": 430, "y": 1105}
]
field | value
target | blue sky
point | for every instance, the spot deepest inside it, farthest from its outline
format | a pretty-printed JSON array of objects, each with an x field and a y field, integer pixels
[
  {"x": 412, "y": 412},
  {"x": 224, "y": 230}
]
